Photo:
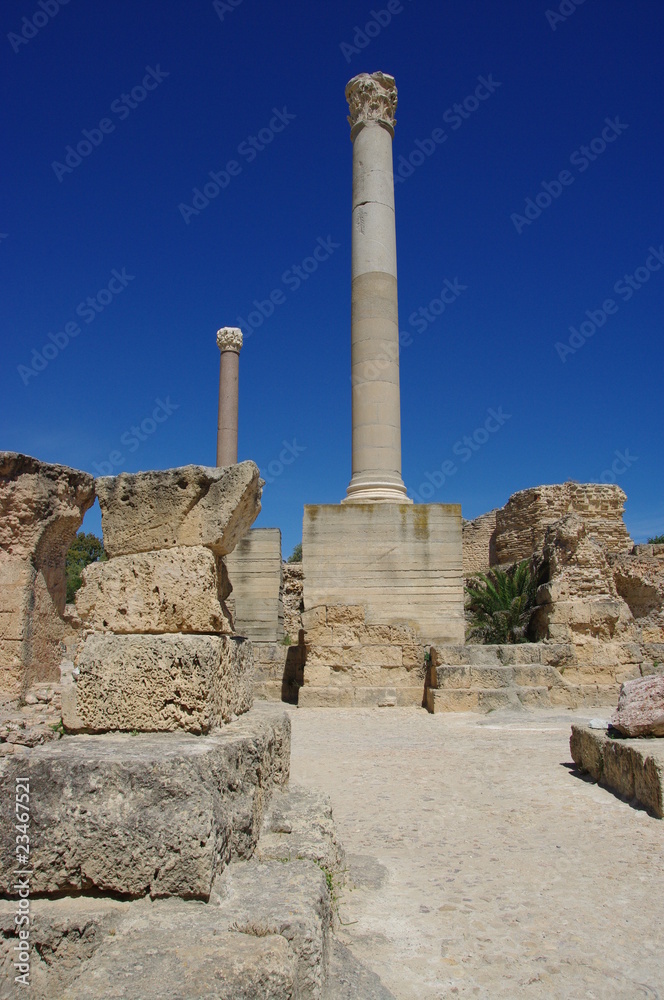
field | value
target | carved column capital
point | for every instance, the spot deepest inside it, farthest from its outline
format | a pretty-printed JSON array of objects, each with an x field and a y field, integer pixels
[
  {"x": 229, "y": 338},
  {"x": 372, "y": 97}
]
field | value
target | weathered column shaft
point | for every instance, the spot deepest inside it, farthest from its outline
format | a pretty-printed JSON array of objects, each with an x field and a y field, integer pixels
[
  {"x": 374, "y": 316},
  {"x": 229, "y": 341}
]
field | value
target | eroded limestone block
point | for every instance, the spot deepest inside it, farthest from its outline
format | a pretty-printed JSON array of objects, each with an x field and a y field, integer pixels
[
  {"x": 172, "y": 590},
  {"x": 580, "y": 598},
  {"x": 41, "y": 509},
  {"x": 157, "y": 683},
  {"x": 521, "y": 525},
  {"x": 154, "y": 813},
  {"x": 191, "y": 505},
  {"x": 640, "y": 709}
]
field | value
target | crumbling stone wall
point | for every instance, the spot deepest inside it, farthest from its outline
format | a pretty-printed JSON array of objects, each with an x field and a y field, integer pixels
[
  {"x": 580, "y": 600},
  {"x": 522, "y": 523},
  {"x": 479, "y": 543},
  {"x": 41, "y": 509},
  {"x": 639, "y": 579},
  {"x": 293, "y": 577}
]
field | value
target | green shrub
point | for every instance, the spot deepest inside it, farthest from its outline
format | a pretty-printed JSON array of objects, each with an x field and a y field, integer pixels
[
  {"x": 85, "y": 549},
  {"x": 296, "y": 554},
  {"x": 657, "y": 540},
  {"x": 500, "y": 604}
]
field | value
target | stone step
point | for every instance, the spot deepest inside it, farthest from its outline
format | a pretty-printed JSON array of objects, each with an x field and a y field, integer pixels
[
  {"x": 299, "y": 824},
  {"x": 158, "y": 814},
  {"x": 458, "y": 699},
  {"x": 312, "y": 696},
  {"x": 476, "y": 654},
  {"x": 264, "y": 934}
]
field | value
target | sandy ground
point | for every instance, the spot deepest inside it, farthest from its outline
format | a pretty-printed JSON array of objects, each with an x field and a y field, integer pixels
[{"x": 480, "y": 865}]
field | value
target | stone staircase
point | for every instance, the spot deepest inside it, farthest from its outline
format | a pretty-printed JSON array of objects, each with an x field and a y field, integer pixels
[{"x": 478, "y": 678}]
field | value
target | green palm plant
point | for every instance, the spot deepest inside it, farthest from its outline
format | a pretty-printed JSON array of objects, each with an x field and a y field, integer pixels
[{"x": 500, "y": 604}]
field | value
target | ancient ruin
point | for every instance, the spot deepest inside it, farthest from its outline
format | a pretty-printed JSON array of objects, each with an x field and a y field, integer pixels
[{"x": 144, "y": 720}]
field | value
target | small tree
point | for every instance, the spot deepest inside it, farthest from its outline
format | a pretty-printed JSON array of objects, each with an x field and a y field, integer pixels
[
  {"x": 500, "y": 604},
  {"x": 85, "y": 549},
  {"x": 296, "y": 554},
  {"x": 657, "y": 540}
]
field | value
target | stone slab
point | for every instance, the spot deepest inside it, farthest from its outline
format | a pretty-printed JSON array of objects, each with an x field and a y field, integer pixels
[
  {"x": 632, "y": 768},
  {"x": 155, "y": 813},
  {"x": 172, "y": 590},
  {"x": 191, "y": 505},
  {"x": 401, "y": 562},
  {"x": 157, "y": 683}
]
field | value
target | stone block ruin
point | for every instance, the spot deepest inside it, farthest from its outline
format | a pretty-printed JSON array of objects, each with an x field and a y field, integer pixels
[{"x": 162, "y": 827}]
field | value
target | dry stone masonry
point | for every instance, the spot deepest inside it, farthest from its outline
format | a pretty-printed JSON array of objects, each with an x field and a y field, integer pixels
[{"x": 172, "y": 773}]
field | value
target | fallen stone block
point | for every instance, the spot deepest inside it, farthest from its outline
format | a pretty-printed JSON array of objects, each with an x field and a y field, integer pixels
[
  {"x": 155, "y": 813},
  {"x": 632, "y": 768},
  {"x": 172, "y": 590},
  {"x": 157, "y": 683},
  {"x": 191, "y": 505},
  {"x": 640, "y": 709}
]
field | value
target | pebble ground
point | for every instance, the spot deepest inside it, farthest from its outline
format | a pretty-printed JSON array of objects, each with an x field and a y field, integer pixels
[{"x": 479, "y": 863}]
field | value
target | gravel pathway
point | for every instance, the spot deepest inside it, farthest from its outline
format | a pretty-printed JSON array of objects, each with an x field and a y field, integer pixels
[{"x": 480, "y": 864}]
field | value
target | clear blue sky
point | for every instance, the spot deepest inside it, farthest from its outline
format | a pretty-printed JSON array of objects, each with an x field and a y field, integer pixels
[{"x": 181, "y": 89}]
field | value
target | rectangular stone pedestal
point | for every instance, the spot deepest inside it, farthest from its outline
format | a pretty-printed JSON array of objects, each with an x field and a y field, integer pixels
[{"x": 401, "y": 562}]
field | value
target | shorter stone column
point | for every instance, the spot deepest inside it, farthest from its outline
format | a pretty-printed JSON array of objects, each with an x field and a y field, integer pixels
[{"x": 229, "y": 342}]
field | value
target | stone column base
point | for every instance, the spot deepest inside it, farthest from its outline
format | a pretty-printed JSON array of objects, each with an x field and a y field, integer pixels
[{"x": 402, "y": 563}]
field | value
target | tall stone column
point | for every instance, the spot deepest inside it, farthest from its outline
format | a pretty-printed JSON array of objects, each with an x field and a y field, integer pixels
[
  {"x": 376, "y": 478},
  {"x": 229, "y": 342}
]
